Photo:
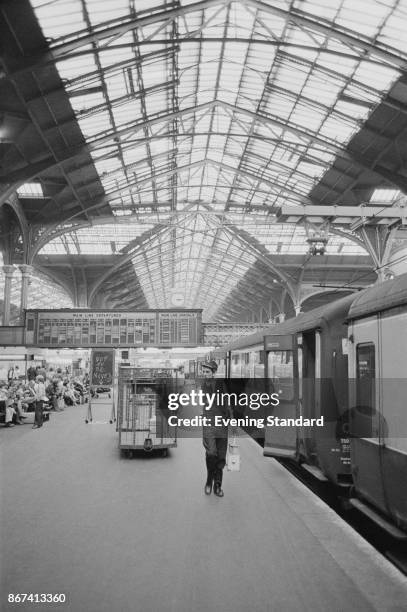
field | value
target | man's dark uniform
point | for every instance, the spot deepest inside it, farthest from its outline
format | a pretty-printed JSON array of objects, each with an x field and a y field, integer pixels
[{"x": 215, "y": 438}]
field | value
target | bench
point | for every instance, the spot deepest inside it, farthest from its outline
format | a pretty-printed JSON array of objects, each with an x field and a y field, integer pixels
[{"x": 45, "y": 415}]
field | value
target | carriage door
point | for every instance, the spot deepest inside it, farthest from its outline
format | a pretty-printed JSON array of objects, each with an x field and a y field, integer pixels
[
  {"x": 280, "y": 441},
  {"x": 308, "y": 349},
  {"x": 364, "y": 398}
]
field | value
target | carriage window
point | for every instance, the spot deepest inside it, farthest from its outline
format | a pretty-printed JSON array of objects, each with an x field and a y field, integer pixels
[
  {"x": 280, "y": 366},
  {"x": 255, "y": 357},
  {"x": 365, "y": 374},
  {"x": 258, "y": 364}
]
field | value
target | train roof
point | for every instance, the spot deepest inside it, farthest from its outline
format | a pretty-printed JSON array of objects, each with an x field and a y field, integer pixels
[
  {"x": 382, "y": 296},
  {"x": 303, "y": 322}
]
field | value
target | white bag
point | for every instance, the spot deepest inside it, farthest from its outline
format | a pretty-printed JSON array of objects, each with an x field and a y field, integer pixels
[
  {"x": 60, "y": 403},
  {"x": 233, "y": 456}
]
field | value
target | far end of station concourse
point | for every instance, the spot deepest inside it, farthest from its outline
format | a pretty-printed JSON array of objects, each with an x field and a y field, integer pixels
[{"x": 203, "y": 305}]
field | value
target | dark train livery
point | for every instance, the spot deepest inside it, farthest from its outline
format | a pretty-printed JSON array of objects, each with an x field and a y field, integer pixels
[{"x": 347, "y": 362}]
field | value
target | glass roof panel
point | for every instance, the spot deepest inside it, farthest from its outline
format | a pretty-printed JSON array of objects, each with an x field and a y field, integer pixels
[{"x": 237, "y": 104}]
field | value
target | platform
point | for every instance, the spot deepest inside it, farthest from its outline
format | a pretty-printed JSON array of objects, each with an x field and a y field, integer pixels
[{"x": 138, "y": 534}]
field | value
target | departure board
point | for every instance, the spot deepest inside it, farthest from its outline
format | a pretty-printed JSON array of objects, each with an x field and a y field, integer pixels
[{"x": 108, "y": 328}]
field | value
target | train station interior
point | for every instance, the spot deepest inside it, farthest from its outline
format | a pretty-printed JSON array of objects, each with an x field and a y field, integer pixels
[{"x": 203, "y": 195}]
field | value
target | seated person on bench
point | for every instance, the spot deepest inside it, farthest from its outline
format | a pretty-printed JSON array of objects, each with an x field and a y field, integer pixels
[{"x": 11, "y": 415}]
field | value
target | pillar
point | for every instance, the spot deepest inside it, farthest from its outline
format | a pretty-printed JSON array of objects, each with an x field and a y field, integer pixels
[
  {"x": 378, "y": 240},
  {"x": 8, "y": 276},
  {"x": 26, "y": 272},
  {"x": 81, "y": 297}
]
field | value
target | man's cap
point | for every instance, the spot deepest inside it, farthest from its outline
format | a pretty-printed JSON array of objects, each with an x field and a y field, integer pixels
[{"x": 211, "y": 365}]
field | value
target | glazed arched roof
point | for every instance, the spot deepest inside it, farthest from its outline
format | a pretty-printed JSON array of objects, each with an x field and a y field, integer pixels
[{"x": 200, "y": 120}]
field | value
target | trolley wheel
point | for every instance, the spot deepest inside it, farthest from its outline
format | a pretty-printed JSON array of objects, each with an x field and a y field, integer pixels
[
  {"x": 86, "y": 421},
  {"x": 164, "y": 452},
  {"x": 110, "y": 395},
  {"x": 110, "y": 421}
]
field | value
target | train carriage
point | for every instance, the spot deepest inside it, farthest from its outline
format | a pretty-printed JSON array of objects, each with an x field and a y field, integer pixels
[
  {"x": 305, "y": 359},
  {"x": 346, "y": 362},
  {"x": 378, "y": 391}
]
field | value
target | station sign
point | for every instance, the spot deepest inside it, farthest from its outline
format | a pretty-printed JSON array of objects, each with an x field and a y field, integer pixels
[
  {"x": 278, "y": 342},
  {"x": 135, "y": 373},
  {"x": 74, "y": 328}
]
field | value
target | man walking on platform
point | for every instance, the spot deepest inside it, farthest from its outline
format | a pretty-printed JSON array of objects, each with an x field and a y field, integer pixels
[{"x": 215, "y": 439}]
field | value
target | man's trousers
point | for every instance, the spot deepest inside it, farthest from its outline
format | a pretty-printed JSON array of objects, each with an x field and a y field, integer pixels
[{"x": 216, "y": 444}]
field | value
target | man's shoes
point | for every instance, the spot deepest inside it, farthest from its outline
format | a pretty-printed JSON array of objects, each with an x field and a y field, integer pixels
[
  {"x": 35, "y": 426},
  {"x": 217, "y": 489},
  {"x": 208, "y": 488},
  {"x": 9, "y": 425}
]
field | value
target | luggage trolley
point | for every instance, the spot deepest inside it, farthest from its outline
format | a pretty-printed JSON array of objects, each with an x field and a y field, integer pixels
[{"x": 142, "y": 420}]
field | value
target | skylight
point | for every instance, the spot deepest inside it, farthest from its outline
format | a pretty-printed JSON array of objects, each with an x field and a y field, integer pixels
[{"x": 30, "y": 190}]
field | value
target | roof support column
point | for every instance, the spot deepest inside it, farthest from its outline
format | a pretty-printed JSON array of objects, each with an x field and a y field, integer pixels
[
  {"x": 26, "y": 273},
  {"x": 281, "y": 315},
  {"x": 8, "y": 277},
  {"x": 295, "y": 294},
  {"x": 270, "y": 311},
  {"x": 378, "y": 240},
  {"x": 271, "y": 315},
  {"x": 81, "y": 299},
  {"x": 81, "y": 293}
]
